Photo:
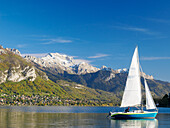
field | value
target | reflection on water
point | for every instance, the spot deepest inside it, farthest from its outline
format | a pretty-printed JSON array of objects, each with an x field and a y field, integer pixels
[
  {"x": 35, "y": 120},
  {"x": 47, "y": 120},
  {"x": 49, "y": 117},
  {"x": 135, "y": 123}
]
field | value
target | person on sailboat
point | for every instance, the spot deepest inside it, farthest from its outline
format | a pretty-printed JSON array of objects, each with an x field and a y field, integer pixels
[{"x": 127, "y": 110}]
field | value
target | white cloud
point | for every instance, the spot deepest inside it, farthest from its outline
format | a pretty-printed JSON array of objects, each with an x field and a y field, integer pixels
[
  {"x": 56, "y": 40},
  {"x": 21, "y": 45},
  {"x": 35, "y": 54},
  {"x": 98, "y": 56},
  {"x": 158, "y": 20},
  {"x": 38, "y": 36},
  {"x": 155, "y": 58},
  {"x": 136, "y": 29},
  {"x": 77, "y": 61},
  {"x": 132, "y": 28},
  {"x": 156, "y": 37}
]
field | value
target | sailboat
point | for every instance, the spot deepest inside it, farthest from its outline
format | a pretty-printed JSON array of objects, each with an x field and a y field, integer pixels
[{"x": 132, "y": 96}]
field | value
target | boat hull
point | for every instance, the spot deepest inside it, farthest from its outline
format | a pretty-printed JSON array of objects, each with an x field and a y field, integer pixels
[{"x": 145, "y": 115}]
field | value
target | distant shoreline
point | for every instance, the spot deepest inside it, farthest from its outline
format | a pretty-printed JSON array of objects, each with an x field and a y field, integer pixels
[{"x": 63, "y": 106}]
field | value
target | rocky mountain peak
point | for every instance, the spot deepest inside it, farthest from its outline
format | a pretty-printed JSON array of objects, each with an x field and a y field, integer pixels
[
  {"x": 146, "y": 76},
  {"x": 2, "y": 50},
  {"x": 122, "y": 70},
  {"x": 14, "y": 68},
  {"x": 125, "y": 70},
  {"x": 1, "y": 47},
  {"x": 104, "y": 68},
  {"x": 15, "y": 51},
  {"x": 62, "y": 62},
  {"x": 57, "y": 58}
]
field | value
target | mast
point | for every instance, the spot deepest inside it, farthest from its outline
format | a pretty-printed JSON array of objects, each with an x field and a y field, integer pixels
[{"x": 141, "y": 91}]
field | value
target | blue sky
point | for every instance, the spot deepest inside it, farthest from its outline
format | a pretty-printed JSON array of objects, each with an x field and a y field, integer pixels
[{"x": 102, "y": 32}]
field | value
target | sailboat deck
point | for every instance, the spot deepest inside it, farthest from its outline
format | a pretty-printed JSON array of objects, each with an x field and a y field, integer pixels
[{"x": 134, "y": 115}]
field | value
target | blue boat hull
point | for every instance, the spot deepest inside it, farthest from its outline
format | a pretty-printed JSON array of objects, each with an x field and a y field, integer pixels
[{"x": 147, "y": 115}]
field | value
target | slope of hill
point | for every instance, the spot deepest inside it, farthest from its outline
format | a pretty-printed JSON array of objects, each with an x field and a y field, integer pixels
[
  {"x": 66, "y": 91},
  {"x": 14, "y": 68},
  {"x": 110, "y": 81},
  {"x": 36, "y": 87},
  {"x": 105, "y": 79},
  {"x": 19, "y": 77}
]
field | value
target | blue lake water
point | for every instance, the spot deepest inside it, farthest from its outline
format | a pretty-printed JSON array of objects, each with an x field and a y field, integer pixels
[{"x": 74, "y": 117}]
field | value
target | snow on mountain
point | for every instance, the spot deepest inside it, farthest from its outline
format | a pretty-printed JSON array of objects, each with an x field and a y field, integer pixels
[
  {"x": 62, "y": 62},
  {"x": 122, "y": 70},
  {"x": 53, "y": 61},
  {"x": 125, "y": 70},
  {"x": 104, "y": 68},
  {"x": 147, "y": 76}
]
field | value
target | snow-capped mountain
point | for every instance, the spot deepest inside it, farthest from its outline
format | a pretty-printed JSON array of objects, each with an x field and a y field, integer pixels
[
  {"x": 125, "y": 70},
  {"x": 61, "y": 63}
]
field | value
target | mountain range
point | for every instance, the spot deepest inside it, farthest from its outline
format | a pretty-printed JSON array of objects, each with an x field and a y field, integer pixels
[
  {"x": 61, "y": 63},
  {"x": 66, "y": 77}
]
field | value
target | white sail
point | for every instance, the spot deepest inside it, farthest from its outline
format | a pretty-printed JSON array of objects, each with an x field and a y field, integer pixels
[
  {"x": 132, "y": 93},
  {"x": 150, "y": 104}
]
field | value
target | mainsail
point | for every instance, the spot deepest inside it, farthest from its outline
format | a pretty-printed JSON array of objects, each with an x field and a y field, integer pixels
[
  {"x": 150, "y": 104},
  {"x": 132, "y": 93}
]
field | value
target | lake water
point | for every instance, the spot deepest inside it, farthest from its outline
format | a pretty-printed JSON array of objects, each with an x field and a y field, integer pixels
[{"x": 74, "y": 117}]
